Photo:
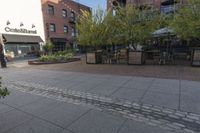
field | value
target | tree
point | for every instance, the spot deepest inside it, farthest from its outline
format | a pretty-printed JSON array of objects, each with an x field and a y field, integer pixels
[
  {"x": 135, "y": 24},
  {"x": 130, "y": 25},
  {"x": 186, "y": 21},
  {"x": 48, "y": 47},
  {"x": 92, "y": 30}
]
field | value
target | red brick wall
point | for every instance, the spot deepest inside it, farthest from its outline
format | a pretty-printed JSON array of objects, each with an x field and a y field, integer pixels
[{"x": 58, "y": 19}]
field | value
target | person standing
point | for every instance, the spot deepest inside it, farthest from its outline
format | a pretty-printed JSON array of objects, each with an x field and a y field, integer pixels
[{"x": 2, "y": 56}]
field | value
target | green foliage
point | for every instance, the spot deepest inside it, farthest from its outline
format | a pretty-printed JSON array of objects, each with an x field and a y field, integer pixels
[
  {"x": 114, "y": 33},
  {"x": 3, "y": 90},
  {"x": 91, "y": 28},
  {"x": 59, "y": 56},
  {"x": 136, "y": 25},
  {"x": 129, "y": 25},
  {"x": 186, "y": 22},
  {"x": 68, "y": 51},
  {"x": 48, "y": 47},
  {"x": 48, "y": 58}
]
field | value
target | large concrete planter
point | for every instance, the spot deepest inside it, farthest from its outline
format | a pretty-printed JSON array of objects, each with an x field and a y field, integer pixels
[
  {"x": 94, "y": 57},
  {"x": 196, "y": 58},
  {"x": 37, "y": 62},
  {"x": 136, "y": 57}
]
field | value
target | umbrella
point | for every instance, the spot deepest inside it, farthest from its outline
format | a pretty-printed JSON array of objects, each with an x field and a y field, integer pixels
[{"x": 163, "y": 32}]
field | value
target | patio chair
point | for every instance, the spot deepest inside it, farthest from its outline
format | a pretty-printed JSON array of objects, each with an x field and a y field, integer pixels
[
  {"x": 105, "y": 58},
  {"x": 122, "y": 56}
]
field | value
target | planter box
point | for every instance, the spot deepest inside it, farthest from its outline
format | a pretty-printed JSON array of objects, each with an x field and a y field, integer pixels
[
  {"x": 136, "y": 58},
  {"x": 196, "y": 58},
  {"x": 94, "y": 57}
]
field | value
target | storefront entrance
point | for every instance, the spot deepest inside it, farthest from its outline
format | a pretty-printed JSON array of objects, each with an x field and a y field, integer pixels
[
  {"x": 19, "y": 46},
  {"x": 59, "y": 44},
  {"x": 22, "y": 50}
]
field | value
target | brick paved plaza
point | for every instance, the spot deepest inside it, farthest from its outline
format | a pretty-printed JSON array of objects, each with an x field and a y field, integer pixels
[{"x": 81, "y": 98}]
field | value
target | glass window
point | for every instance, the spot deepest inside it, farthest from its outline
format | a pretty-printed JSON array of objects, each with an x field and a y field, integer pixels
[
  {"x": 21, "y": 50},
  {"x": 167, "y": 9},
  {"x": 52, "y": 27},
  {"x": 73, "y": 31},
  {"x": 51, "y": 9},
  {"x": 65, "y": 29},
  {"x": 72, "y": 14},
  {"x": 64, "y": 13}
]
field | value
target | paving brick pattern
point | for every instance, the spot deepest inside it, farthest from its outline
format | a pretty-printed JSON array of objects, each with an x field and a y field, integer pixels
[
  {"x": 170, "y": 119},
  {"x": 182, "y": 71}
]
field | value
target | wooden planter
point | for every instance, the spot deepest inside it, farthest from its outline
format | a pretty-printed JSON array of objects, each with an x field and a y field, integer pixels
[
  {"x": 136, "y": 57},
  {"x": 94, "y": 57},
  {"x": 196, "y": 58}
]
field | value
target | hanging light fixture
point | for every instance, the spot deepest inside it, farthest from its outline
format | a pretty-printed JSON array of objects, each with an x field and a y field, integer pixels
[
  {"x": 8, "y": 22},
  {"x": 21, "y": 24},
  {"x": 33, "y": 26}
]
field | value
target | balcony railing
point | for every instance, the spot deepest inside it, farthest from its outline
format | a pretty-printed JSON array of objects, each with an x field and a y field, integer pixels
[{"x": 72, "y": 20}]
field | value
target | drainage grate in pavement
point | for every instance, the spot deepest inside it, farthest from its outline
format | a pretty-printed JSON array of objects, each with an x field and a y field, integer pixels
[{"x": 166, "y": 118}]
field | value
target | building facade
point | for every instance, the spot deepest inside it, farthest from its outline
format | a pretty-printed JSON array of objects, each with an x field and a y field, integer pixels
[
  {"x": 21, "y": 27},
  {"x": 59, "y": 22},
  {"x": 164, "y": 6}
]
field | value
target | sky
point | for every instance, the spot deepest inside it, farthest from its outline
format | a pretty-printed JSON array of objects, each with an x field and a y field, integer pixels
[{"x": 93, "y": 3}]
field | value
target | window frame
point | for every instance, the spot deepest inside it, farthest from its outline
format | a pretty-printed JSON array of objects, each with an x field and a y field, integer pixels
[
  {"x": 65, "y": 29},
  {"x": 52, "y": 26},
  {"x": 51, "y": 9},
  {"x": 73, "y": 31},
  {"x": 72, "y": 14},
  {"x": 64, "y": 11}
]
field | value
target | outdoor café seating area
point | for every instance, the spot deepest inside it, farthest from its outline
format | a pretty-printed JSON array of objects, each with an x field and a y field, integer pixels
[{"x": 154, "y": 55}]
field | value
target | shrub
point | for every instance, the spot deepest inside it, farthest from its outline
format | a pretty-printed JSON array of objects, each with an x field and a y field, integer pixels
[
  {"x": 68, "y": 51},
  {"x": 3, "y": 90},
  {"x": 49, "y": 58},
  {"x": 48, "y": 47},
  {"x": 57, "y": 57}
]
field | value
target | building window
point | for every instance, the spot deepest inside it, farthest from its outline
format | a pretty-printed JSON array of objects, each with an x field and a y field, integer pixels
[
  {"x": 52, "y": 27},
  {"x": 64, "y": 13},
  {"x": 51, "y": 9},
  {"x": 73, "y": 32},
  {"x": 65, "y": 29},
  {"x": 72, "y": 14},
  {"x": 167, "y": 9}
]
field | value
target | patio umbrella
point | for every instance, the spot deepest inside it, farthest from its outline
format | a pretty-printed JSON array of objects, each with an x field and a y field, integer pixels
[{"x": 163, "y": 32}]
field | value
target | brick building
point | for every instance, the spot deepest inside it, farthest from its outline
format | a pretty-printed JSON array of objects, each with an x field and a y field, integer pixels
[
  {"x": 165, "y": 6},
  {"x": 59, "y": 18}
]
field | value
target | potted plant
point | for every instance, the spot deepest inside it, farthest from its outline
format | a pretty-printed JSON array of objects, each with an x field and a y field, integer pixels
[{"x": 3, "y": 90}]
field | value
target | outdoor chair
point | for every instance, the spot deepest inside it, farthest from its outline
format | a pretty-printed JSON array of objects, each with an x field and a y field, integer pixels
[
  {"x": 156, "y": 56},
  {"x": 156, "y": 59},
  {"x": 122, "y": 56},
  {"x": 166, "y": 58},
  {"x": 105, "y": 58}
]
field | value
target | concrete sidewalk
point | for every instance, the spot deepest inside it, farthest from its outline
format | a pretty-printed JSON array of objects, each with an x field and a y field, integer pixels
[
  {"x": 27, "y": 113},
  {"x": 54, "y": 101}
]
